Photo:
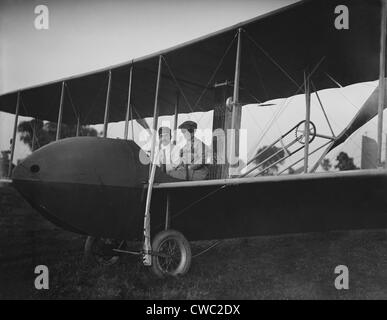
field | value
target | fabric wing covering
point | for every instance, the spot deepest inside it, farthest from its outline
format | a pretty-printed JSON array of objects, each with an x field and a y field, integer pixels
[{"x": 276, "y": 50}]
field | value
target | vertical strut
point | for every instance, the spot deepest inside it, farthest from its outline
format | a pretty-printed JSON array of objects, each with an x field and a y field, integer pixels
[
  {"x": 14, "y": 134},
  {"x": 128, "y": 108},
  {"x": 307, "y": 121},
  {"x": 382, "y": 81},
  {"x": 78, "y": 127},
  {"x": 168, "y": 212},
  {"x": 147, "y": 258},
  {"x": 132, "y": 122},
  {"x": 33, "y": 135},
  {"x": 107, "y": 105},
  {"x": 233, "y": 146},
  {"x": 175, "y": 118},
  {"x": 59, "y": 124}
]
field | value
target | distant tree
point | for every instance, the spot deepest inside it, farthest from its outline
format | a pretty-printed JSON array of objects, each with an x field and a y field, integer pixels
[
  {"x": 46, "y": 132},
  {"x": 344, "y": 162},
  {"x": 326, "y": 164},
  {"x": 275, "y": 154}
]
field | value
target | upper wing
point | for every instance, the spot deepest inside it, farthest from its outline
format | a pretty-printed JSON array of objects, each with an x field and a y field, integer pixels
[{"x": 277, "y": 49}]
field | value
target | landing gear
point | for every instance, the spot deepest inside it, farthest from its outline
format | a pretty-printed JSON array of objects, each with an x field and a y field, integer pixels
[
  {"x": 171, "y": 254},
  {"x": 100, "y": 251}
]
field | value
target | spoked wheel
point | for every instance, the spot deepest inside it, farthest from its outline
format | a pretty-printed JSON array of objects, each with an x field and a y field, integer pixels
[
  {"x": 100, "y": 250},
  {"x": 171, "y": 254}
]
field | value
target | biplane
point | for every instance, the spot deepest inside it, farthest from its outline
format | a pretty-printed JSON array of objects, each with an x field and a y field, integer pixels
[{"x": 98, "y": 186}]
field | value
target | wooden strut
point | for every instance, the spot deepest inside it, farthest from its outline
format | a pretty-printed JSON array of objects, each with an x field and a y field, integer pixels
[
  {"x": 147, "y": 247},
  {"x": 132, "y": 122},
  {"x": 307, "y": 122},
  {"x": 78, "y": 127},
  {"x": 320, "y": 160},
  {"x": 107, "y": 105},
  {"x": 382, "y": 81},
  {"x": 168, "y": 212},
  {"x": 175, "y": 118},
  {"x": 14, "y": 135},
  {"x": 236, "y": 111},
  {"x": 33, "y": 135},
  {"x": 59, "y": 124},
  {"x": 128, "y": 108}
]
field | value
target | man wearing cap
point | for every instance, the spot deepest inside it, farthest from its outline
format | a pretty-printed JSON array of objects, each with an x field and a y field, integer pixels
[{"x": 191, "y": 162}]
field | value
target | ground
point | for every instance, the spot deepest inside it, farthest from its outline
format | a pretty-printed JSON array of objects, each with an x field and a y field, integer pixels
[{"x": 275, "y": 267}]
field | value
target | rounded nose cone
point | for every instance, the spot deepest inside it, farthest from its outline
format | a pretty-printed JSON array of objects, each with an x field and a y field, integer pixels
[
  {"x": 91, "y": 184},
  {"x": 84, "y": 160}
]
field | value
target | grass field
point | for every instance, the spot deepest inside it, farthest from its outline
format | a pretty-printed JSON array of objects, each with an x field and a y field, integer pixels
[{"x": 282, "y": 267}]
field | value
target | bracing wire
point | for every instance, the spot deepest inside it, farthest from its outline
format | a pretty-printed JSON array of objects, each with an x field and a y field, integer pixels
[
  {"x": 211, "y": 246},
  {"x": 271, "y": 59},
  {"x": 32, "y": 128},
  {"x": 75, "y": 109},
  {"x": 215, "y": 71},
  {"x": 95, "y": 98},
  {"x": 177, "y": 84},
  {"x": 281, "y": 109},
  {"x": 214, "y": 74},
  {"x": 357, "y": 108},
  {"x": 322, "y": 108}
]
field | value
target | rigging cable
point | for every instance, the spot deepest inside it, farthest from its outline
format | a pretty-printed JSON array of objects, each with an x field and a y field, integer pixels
[
  {"x": 322, "y": 108},
  {"x": 177, "y": 84},
  {"x": 357, "y": 108},
  {"x": 29, "y": 122},
  {"x": 213, "y": 76},
  {"x": 280, "y": 111},
  {"x": 93, "y": 104},
  {"x": 217, "y": 242},
  {"x": 215, "y": 71},
  {"x": 75, "y": 109},
  {"x": 211, "y": 246},
  {"x": 271, "y": 59}
]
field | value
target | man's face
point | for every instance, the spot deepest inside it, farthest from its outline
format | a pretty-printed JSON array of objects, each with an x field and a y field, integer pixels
[
  {"x": 187, "y": 134},
  {"x": 165, "y": 137}
]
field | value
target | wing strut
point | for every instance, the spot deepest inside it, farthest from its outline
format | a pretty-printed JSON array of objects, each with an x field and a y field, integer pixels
[
  {"x": 107, "y": 105},
  {"x": 382, "y": 87},
  {"x": 147, "y": 258},
  {"x": 307, "y": 122},
  {"x": 78, "y": 127},
  {"x": 236, "y": 113},
  {"x": 129, "y": 112},
  {"x": 176, "y": 118},
  {"x": 14, "y": 134},
  {"x": 59, "y": 124},
  {"x": 34, "y": 137}
]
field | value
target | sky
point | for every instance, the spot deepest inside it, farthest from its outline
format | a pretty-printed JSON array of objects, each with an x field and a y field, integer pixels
[{"x": 87, "y": 35}]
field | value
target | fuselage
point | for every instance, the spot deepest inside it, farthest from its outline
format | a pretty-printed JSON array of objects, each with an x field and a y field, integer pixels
[{"x": 88, "y": 185}]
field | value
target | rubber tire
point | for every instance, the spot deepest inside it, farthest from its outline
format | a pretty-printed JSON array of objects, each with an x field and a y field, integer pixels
[
  {"x": 185, "y": 250},
  {"x": 90, "y": 257}
]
